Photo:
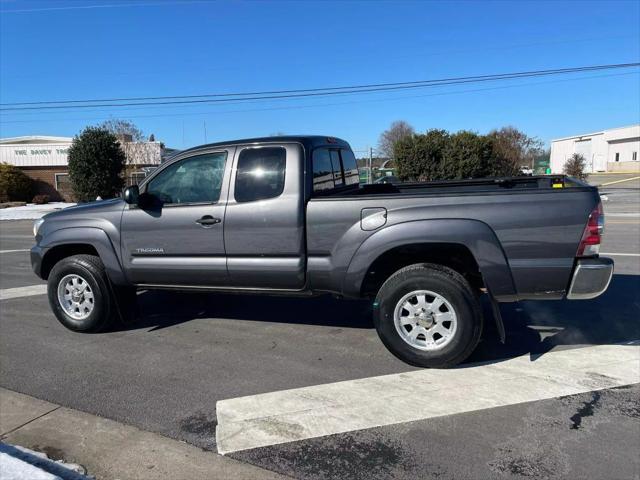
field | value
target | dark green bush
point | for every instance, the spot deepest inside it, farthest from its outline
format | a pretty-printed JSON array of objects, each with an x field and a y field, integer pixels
[
  {"x": 440, "y": 155},
  {"x": 40, "y": 199},
  {"x": 419, "y": 157},
  {"x": 467, "y": 155},
  {"x": 15, "y": 185},
  {"x": 96, "y": 161}
]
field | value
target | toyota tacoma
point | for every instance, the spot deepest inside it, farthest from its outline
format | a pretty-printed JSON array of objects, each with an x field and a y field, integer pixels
[{"x": 287, "y": 216}]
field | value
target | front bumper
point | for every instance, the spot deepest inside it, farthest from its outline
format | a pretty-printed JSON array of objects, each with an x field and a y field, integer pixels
[
  {"x": 37, "y": 253},
  {"x": 591, "y": 278}
]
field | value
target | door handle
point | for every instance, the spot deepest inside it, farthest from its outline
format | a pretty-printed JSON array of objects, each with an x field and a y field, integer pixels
[{"x": 208, "y": 221}]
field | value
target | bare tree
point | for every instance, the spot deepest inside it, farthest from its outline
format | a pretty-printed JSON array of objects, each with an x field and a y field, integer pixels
[
  {"x": 514, "y": 149},
  {"x": 123, "y": 129},
  {"x": 132, "y": 141},
  {"x": 396, "y": 132},
  {"x": 575, "y": 166}
]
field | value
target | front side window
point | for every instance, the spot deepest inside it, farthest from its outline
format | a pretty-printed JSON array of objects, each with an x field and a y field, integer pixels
[
  {"x": 350, "y": 166},
  {"x": 260, "y": 173},
  {"x": 192, "y": 180}
]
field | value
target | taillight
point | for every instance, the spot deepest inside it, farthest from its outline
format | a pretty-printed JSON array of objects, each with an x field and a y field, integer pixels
[{"x": 592, "y": 236}]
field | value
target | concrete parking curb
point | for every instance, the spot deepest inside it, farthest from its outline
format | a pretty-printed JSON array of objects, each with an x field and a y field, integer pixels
[{"x": 108, "y": 449}]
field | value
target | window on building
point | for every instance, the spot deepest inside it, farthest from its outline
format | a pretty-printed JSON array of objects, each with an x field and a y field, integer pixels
[
  {"x": 260, "y": 173},
  {"x": 136, "y": 178},
  {"x": 62, "y": 182},
  {"x": 196, "y": 179},
  {"x": 634, "y": 156},
  {"x": 350, "y": 166},
  {"x": 617, "y": 157}
]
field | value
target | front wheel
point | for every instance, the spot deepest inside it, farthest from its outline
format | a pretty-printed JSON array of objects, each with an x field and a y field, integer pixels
[
  {"x": 79, "y": 293},
  {"x": 428, "y": 316}
]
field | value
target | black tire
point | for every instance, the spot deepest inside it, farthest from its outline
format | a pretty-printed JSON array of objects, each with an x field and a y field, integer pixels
[
  {"x": 450, "y": 285},
  {"x": 91, "y": 270}
]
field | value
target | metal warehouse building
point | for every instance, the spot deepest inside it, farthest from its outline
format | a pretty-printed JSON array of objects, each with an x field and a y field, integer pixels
[
  {"x": 614, "y": 150},
  {"x": 44, "y": 159}
]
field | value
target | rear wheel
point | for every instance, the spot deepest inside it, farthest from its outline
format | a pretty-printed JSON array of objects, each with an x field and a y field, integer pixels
[
  {"x": 428, "y": 316},
  {"x": 79, "y": 293}
]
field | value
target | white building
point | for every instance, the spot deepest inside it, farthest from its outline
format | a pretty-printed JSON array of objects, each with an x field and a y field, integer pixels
[
  {"x": 45, "y": 160},
  {"x": 614, "y": 150}
]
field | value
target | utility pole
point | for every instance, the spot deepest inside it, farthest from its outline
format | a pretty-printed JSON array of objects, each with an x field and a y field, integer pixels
[
  {"x": 204, "y": 124},
  {"x": 370, "y": 165}
]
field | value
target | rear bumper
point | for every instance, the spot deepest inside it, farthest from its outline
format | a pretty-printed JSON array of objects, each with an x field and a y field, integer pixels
[{"x": 590, "y": 278}]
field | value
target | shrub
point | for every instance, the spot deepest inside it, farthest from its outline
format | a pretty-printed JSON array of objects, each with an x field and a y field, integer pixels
[
  {"x": 440, "y": 155},
  {"x": 14, "y": 184},
  {"x": 467, "y": 155},
  {"x": 574, "y": 167},
  {"x": 95, "y": 165},
  {"x": 419, "y": 157},
  {"x": 41, "y": 199}
]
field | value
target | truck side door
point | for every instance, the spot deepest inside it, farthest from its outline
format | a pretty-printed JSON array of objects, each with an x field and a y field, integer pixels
[
  {"x": 178, "y": 239},
  {"x": 264, "y": 223}
]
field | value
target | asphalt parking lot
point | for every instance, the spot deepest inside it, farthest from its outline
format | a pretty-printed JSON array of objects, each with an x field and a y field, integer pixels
[{"x": 166, "y": 372}]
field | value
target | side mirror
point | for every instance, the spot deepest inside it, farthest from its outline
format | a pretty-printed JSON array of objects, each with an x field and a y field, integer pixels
[{"x": 131, "y": 195}]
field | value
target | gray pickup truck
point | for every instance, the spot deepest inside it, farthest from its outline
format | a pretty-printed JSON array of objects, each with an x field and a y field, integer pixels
[{"x": 287, "y": 216}]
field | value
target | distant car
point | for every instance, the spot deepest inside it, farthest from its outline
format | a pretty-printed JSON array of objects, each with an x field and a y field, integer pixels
[
  {"x": 388, "y": 179},
  {"x": 526, "y": 170}
]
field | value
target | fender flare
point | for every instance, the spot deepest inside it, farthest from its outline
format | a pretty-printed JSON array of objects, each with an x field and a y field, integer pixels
[
  {"x": 477, "y": 236},
  {"x": 93, "y": 236}
]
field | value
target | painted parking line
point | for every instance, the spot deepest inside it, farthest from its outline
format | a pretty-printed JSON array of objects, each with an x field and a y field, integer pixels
[
  {"x": 14, "y": 251},
  {"x": 317, "y": 411},
  {"x": 18, "y": 292},
  {"x": 620, "y": 181},
  {"x": 621, "y": 254}
]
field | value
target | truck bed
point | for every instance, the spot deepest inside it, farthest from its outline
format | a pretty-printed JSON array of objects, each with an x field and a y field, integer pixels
[
  {"x": 457, "y": 187},
  {"x": 537, "y": 222}
]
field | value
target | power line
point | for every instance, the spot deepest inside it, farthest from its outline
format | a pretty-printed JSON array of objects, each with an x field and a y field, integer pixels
[
  {"x": 298, "y": 93},
  {"x": 294, "y": 107},
  {"x": 111, "y": 5},
  {"x": 275, "y": 92}
]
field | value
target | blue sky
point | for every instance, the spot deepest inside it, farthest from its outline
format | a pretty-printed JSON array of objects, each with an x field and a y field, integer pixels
[{"x": 59, "y": 50}]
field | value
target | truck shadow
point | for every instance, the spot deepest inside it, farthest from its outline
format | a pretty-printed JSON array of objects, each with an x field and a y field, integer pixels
[
  {"x": 161, "y": 309},
  {"x": 535, "y": 328},
  {"x": 532, "y": 328}
]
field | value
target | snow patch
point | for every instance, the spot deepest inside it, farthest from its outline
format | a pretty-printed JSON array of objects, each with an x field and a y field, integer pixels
[
  {"x": 32, "y": 211},
  {"x": 19, "y": 463}
]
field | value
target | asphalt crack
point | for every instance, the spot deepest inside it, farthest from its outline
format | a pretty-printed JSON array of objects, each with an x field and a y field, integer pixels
[{"x": 587, "y": 409}]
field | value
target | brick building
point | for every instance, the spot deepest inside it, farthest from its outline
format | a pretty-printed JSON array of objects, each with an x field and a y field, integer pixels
[{"x": 44, "y": 159}]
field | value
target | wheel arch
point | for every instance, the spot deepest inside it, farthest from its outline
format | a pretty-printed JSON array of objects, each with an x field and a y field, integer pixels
[
  {"x": 467, "y": 246},
  {"x": 66, "y": 242}
]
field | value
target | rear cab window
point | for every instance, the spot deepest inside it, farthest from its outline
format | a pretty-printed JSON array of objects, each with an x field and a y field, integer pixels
[
  {"x": 333, "y": 168},
  {"x": 350, "y": 167}
]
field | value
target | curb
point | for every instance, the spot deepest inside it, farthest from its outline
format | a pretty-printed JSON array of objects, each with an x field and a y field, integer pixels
[{"x": 109, "y": 449}]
